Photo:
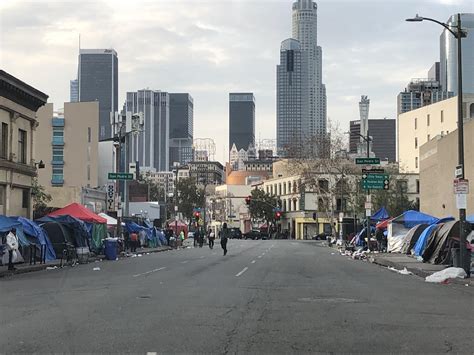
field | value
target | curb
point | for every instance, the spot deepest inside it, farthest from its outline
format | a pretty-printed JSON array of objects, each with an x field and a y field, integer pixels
[
  {"x": 398, "y": 266},
  {"x": 40, "y": 267}
]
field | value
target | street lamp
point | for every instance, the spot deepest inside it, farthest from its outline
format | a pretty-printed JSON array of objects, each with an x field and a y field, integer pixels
[{"x": 458, "y": 33}]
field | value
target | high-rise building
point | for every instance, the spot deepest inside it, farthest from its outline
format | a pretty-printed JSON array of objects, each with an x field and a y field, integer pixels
[
  {"x": 98, "y": 81},
  {"x": 449, "y": 58},
  {"x": 433, "y": 73},
  {"x": 305, "y": 30},
  {"x": 241, "y": 120},
  {"x": 292, "y": 98},
  {"x": 181, "y": 128},
  {"x": 383, "y": 135},
  {"x": 151, "y": 146},
  {"x": 74, "y": 90}
]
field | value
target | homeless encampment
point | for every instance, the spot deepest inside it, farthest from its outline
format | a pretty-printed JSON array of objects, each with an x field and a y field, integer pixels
[
  {"x": 6, "y": 225},
  {"x": 411, "y": 238},
  {"x": 398, "y": 228},
  {"x": 38, "y": 238},
  {"x": 420, "y": 244},
  {"x": 439, "y": 245},
  {"x": 380, "y": 215}
]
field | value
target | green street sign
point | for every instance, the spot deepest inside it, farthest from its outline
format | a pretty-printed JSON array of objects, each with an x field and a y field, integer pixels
[
  {"x": 367, "y": 161},
  {"x": 120, "y": 176},
  {"x": 375, "y": 181}
]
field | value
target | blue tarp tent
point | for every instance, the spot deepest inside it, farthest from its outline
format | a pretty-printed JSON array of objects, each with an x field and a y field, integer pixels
[
  {"x": 8, "y": 223},
  {"x": 412, "y": 218},
  {"x": 360, "y": 237},
  {"x": 31, "y": 229},
  {"x": 470, "y": 219},
  {"x": 380, "y": 215},
  {"x": 421, "y": 242}
]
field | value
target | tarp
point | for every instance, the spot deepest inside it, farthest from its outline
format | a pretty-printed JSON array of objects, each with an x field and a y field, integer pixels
[
  {"x": 80, "y": 212},
  {"x": 421, "y": 242},
  {"x": 384, "y": 224},
  {"x": 8, "y": 223},
  {"x": 380, "y": 215},
  {"x": 412, "y": 237},
  {"x": 81, "y": 233},
  {"x": 470, "y": 219},
  {"x": 111, "y": 221},
  {"x": 31, "y": 229},
  {"x": 412, "y": 218}
]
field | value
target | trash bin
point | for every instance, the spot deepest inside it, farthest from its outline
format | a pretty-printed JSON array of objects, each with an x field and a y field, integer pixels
[{"x": 111, "y": 248}]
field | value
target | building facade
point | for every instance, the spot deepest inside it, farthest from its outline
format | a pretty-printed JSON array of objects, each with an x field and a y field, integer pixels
[
  {"x": 151, "y": 146},
  {"x": 419, "y": 126},
  {"x": 292, "y": 97},
  {"x": 18, "y": 105},
  {"x": 181, "y": 128},
  {"x": 207, "y": 172},
  {"x": 438, "y": 160},
  {"x": 98, "y": 81},
  {"x": 74, "y": 90},
  {"x": 241, "y": 120},
  {"x": 448, "y": 56},
  {"x": 383, "y": 133},
  {"x": 70, "y": 152}
]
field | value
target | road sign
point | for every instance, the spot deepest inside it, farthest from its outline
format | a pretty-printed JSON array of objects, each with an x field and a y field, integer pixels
[
  {"x": 375, "y": 181},
  {"x": 110, "y": 197},
  {"x": 120, "y": 176},
  {"x": 461, "y": 201},
  {"x": 368, "y": 205},
  {"x": 373, "y": 171},
  {"x": 459, "y": 172},
  {"x": 367, "y": 161},
  {"x": 461, "y": 186}
]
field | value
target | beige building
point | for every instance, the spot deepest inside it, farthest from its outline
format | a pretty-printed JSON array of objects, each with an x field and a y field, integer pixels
[
  {"x": 419, "y": 126},
  {"x": 69, "y": 150},
  {"x": 18, "y": 105},
  {"x": 438, "y": 160}
]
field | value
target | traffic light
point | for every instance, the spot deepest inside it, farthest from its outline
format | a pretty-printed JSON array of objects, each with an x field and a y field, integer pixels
[
  {"x": 248, "y": 199},
  {"x": 197, "y": 215},
  {"x": 277, "y": 215}
]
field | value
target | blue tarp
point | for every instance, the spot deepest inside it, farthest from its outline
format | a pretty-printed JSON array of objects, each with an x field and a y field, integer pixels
[
  {"x": 470, "y": 219},
  {"x": 8, "y": 223},
  {"x": 421, "y": 242},
  {"x": 32, "y": 229},
  {"x": 446, "y": 219},
  {"x": 380, "y": 215},
  {"x": 81, "y": 232},
  {"x": 412, "y": 218},
  {"x": 360, "y": 237}
]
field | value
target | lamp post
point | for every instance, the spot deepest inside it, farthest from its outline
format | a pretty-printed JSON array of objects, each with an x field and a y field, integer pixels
[{"x": 459, "y": 34}]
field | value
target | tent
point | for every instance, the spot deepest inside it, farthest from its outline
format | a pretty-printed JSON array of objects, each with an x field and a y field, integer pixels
[
  {"x": 39, "y": 236},
  {"x": 424, "y": 236},
  {"x": 384, "y": 224},
  {"x": 177, "y": 226},
  {"x": 380, "y": 215},
  {"x": 111, "y": 221},
  {"x": 399, "y": 226},
  {"x": 411, "y": 238},
  {"x": 470, "y": 219},
  {"x": 6, "y": 225}
]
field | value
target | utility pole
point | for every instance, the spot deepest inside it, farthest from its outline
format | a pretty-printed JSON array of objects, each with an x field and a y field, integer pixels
[{"x": 368, "y": 212}]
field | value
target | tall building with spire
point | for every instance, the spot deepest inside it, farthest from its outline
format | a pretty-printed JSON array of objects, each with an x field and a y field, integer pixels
[{"x": 311, "y": 113}]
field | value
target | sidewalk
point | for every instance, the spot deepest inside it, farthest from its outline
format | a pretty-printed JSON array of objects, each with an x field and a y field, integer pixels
[{"x": 24, "y": 268}]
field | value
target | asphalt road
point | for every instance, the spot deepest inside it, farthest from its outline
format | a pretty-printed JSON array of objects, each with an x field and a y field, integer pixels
[{"x": 263, "y": 297}]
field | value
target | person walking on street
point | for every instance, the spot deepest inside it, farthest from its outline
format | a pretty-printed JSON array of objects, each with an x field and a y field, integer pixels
[
  {"x": 211, "y": 238},
  {"x": 224, "y": 237},
  {"x": 201, "y": 238},
  {"x": 196, "y": 237},
  {"x": 133, "y": 242},
  {"x": 181, "y": 237},
  {"x": 12, "y": 246}
]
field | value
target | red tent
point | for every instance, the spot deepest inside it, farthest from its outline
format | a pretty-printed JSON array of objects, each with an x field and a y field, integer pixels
[
  {"x": 80, "y": 212},
  {"x": 181, "y": 226}
]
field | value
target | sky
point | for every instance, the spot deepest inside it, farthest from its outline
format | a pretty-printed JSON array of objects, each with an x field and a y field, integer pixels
[{"x": 210, "y": 48}]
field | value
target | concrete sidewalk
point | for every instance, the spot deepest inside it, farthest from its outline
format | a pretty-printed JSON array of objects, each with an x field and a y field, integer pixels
[{"x": 24, "y": 268}]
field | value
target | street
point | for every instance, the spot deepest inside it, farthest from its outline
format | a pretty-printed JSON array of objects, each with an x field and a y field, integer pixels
[{"x": 266, "y": 296}]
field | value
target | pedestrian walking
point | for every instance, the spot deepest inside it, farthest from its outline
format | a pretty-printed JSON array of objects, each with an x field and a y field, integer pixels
[
  {"x": 224, "y": 237},
  {"x": 133, "y": 241},
  {"x": 379, "y": 237},
  {"x": 196, "y": 237},
  {"x": 202, "y": 235},
  {"x": 181, "y": 237},
  {"x": 12, "y": 247},
  {"x": 211, "y": 237}
]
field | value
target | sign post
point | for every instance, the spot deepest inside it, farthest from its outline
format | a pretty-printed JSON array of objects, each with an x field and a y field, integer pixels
[
  {"x": 120, "y": 176},
  {"x": 110, "y": 197}
]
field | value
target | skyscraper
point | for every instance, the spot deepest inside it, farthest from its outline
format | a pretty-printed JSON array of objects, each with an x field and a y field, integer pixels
[
  {"x": 292, "y": 98},
  {"x": 241, "y": 120},
  {"x": 151, "y": 147},
  {"x": 181, "y": 128},
  {"x": 98, "y": 81},
  {"x": 305, "y": 30},
  {"x": 382, "y": 132},
  {"x": 449, "y": 57},
  {"x": 74, "y": 90}
]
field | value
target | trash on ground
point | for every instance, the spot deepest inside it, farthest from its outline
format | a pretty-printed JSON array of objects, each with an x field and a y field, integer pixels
[
  {"x": 446, "y": 274},
  {"x": 96, "y": 269},
  {"x": 403, "y": 272},
  {"x": 51, "y": 267},
  {"x": 139, "y": 255}
]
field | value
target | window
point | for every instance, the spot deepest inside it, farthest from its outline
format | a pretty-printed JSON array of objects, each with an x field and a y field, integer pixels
[
  {"x": 2, "y": 196},
  {"x": 442, "y": 116},
  {"x": 88, "y": 172},
  {"x": 416, "y": 142},
  {"x": 89, "y": 134},
  {"x": 417, "y": 186},
  {"x": 58, "y": 175},
  {"x": 4, "y": 142},
  {"x": 25, "y": 198},
  {"x": 416, "y": 162},
  {"x": 428, "y": 137},
  {"x": 58, "y": 155},
  {"x": 58, "y": 135},
  {"x": 323, "y": 185},
  {"x": 416, "y": 123},
  {"x": 22, "y": 146},
  {"x": 428, "y": 120},
  {"x": 402, "y": 186}
]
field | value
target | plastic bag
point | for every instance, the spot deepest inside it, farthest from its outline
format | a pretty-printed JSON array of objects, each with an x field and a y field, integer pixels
[{"x": 449, "y": 273}]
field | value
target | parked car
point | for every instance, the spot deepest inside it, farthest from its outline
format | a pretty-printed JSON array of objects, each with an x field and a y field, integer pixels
[
  {"x": 321, "y": 236},
  {"x": 235, "y": 233},
  {"x": 253, "y": 234}
]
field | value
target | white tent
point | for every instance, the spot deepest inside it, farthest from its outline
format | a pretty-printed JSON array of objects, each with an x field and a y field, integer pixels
[{"x": 111, "y": 221}]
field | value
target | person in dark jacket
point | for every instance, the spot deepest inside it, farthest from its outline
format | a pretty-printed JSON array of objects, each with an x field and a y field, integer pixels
[
  {"x": 224, "y": 237},
  {"x": 379, "y": 237}
]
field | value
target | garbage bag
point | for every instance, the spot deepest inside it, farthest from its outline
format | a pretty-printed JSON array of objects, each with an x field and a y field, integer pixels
[{"x": 449, "y": 273}]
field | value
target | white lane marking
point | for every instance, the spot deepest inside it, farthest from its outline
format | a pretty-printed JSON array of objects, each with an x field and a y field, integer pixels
[
  {"x": 149, "y": 272},
  {"x": 184, "y": 262},
  {"x": 253, "y": 261},
  {"x": 241, "y": 272},
  {"x": 151, "y": 353}
]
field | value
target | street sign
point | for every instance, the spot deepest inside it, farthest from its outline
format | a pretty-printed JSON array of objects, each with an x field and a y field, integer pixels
[
  {"x": 461, "y": 201},
  {"x": 373, "y": 171},
  {"x": 375, "y": 181},
  {"x": 461, "y": 186},
  {"x": 110, "y": 197},
  {"x": 368, "y": 205},
  {"x": 120, "y": 176},
  {"x": 367, "y": 161},
  {"x": 459, "y": 172}
]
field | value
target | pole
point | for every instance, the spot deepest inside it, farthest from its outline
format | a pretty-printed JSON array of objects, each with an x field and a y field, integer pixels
[
  {"x": 117, "y": 168},
  {"x": 462, "y": 211},
  {"x": 368, "y": 195}
]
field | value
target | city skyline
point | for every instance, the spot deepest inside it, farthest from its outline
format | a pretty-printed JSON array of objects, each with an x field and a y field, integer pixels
[{"x": 212, "y": 52}]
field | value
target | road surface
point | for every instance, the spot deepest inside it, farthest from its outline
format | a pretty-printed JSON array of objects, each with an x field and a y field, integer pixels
[{"x": 263, "y": 297}]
